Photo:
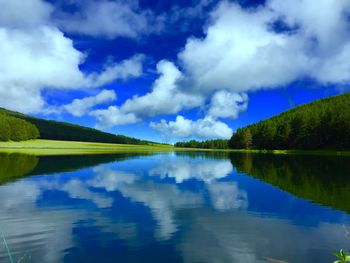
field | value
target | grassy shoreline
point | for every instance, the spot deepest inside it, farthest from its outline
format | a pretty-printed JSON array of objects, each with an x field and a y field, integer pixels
[
  {"x": 56, "y": 147},
  {"x": 298, "y": 152},
  {"x": 53, "y": 147}
]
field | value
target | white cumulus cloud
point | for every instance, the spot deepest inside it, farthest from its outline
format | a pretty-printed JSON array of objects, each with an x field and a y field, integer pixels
[
  {"x": 226, "y": 104},
  {"x": 242, "y": 52},
  {"x": 113, "y": 116},
  {"x": 201, "y": 128},
  {"x": 36, "y": 55},
  {"x": 164, "y": 98},
  {"x": 80, "y": 107}
]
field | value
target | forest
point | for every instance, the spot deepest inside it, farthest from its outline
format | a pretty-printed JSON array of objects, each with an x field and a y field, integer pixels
[
  {"x": 208, "y": 144},
  {"x": 54, "y": 130},
  {"x": 322, "y": 124},
  {"x": 15, "y": 129}
]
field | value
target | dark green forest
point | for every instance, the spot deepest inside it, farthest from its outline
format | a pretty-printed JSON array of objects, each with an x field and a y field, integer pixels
[
  {"x": 54, "y": 130},
  {"x": 16, "y": 129},
  {"x": 209, "y": 144},
  {"x": 322, "y": 124}
]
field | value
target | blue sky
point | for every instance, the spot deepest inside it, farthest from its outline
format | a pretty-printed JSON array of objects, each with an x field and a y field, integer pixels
[{"x": 170, "y": 70}]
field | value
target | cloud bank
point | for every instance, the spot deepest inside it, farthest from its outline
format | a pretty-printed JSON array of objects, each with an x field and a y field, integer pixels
[
  {"x": 243, "y": 50},
  {"x": 184, "y": 128},
  {"x": 36, "y": 55}
]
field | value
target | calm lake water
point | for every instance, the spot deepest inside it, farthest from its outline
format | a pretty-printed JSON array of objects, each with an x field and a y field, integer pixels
[{"x": 174, "y": 207}]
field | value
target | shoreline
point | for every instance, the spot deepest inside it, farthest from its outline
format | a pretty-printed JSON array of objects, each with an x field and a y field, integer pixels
[{"x": 55, "y": 147}]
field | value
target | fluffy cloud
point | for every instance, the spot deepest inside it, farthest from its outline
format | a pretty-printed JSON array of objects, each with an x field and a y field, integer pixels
[
  {"x": 36, "y": 55},
  {"x": 80, "y": 107},
  {"x": 242, "y": 51},
  {"x": 108, "y": 19},
  {"x": 201, "y": 128},
  {"x": 165, "y": 98},
  {"x": 225, "y": 104},
  {"x": 124, "y": 70},
  {"x": 113, "y": 116}
]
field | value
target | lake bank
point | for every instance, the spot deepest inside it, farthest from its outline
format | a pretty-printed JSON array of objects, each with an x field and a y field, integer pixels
[
  {"x": 53, "y": 147},
  {"x": 297, "y": 152},
  {"x": 56, "y": 147}
]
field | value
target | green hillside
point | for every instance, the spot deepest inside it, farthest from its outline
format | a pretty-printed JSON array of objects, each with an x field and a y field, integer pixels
[
  {"x": 16, "y": 129},
  {"x": 54, "y": 130},
  {"x": 322, "y": 124}
]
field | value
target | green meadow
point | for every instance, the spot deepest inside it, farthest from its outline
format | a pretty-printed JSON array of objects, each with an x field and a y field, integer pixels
[
  {"x": 56, "y": 147},
  {"x": 42, "y": 147}
]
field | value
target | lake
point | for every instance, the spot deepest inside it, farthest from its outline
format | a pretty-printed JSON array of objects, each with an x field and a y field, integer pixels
[{"x": 174, "y": 207}]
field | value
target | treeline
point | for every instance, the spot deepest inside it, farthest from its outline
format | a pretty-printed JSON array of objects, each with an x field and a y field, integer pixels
[
  {"x": 15, "y": 129},
  {"x": 54, "y": 130},
  {"x": 321, "y": 124},
  {"x": 209, "y": 144}
]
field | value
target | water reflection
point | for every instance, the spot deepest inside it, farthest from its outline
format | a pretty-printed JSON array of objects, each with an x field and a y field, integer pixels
[
  {"x": 182, "y": 169},
  {"x": 172, "y": 207},
  {"x": 13, "y": 166},
  {"x": 318, "y": 178}
]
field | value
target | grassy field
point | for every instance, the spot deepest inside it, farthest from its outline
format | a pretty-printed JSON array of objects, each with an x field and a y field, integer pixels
[{"x": 52, "y": 147}]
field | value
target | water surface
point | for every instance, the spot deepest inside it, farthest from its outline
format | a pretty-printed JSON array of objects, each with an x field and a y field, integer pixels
[{"x": 174, "y": 207}]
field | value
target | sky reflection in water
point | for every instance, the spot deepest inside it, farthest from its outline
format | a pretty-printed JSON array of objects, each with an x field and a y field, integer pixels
[{"x": 164, "y": 208}]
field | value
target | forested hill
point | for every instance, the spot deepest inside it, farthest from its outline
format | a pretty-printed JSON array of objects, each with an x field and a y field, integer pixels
[
  {"x": 320, "y": 124},
  {"x": 16, "y": 129},
  {"x": 54, "y": 130}
]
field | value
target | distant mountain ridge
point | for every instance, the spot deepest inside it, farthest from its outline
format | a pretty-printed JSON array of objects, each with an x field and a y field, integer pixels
[{"x": 55, "y": 130}]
